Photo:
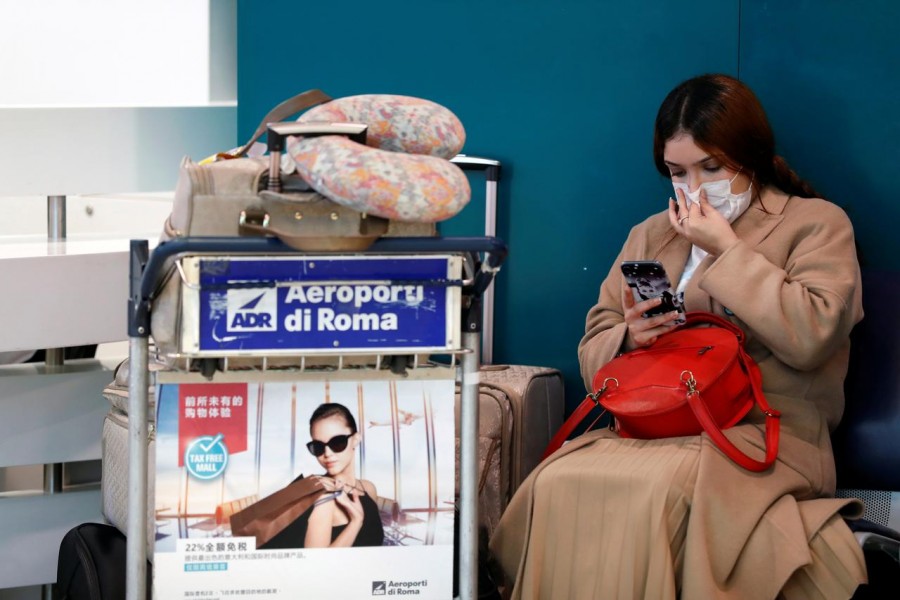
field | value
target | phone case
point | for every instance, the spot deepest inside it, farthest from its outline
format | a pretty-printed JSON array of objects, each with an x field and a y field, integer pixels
[{"x": 647, "y": 279}]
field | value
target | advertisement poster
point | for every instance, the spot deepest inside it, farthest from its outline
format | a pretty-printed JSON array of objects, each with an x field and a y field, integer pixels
[{"x": 338, "y": 484}]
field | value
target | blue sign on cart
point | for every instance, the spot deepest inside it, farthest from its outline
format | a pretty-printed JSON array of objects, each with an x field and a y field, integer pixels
[{"x": 327, "y": 303}]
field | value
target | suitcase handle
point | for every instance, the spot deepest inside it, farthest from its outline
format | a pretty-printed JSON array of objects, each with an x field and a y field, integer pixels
[
  {"x": 490, "y": 166},
  {"x": 277, "y": 132}
]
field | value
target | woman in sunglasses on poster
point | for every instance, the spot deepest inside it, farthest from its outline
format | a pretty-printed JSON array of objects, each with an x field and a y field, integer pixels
[{"x": 347, "y": 514}]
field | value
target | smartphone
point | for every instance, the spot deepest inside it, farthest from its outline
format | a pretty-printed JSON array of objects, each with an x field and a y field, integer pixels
[{"x": 647, "y": 279}]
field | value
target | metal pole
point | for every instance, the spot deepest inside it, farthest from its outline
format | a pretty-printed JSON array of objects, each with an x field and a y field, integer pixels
[
  {"x": 53, "y": 478},
  {"x": 136, "y": 545},
  {"x": 293, "y": 427},
  {"x": 56, "y": 232},
  {"x": 431, "y": 452},
  {"x": 53, "y": 472},
  {"x": 260, "y": 398},
  {"x": 56, "y": 218},
  {"x": 361, "y": 413},
  {"x": 490, "y": 230},
  {"x": 52, "y": 485},
  {"x": 395, "y": 430},
  {"x": 54, "y": 357},
  {"x": 468, "y": 469}
]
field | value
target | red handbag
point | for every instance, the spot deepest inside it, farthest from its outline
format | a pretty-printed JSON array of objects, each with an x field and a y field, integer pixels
[{"x": 692, "y": 379}]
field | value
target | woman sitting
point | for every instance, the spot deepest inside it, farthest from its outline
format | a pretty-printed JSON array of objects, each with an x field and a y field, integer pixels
[{"x": 743, "y": 237}]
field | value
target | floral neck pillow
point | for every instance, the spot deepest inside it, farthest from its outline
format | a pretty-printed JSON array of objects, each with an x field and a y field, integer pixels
[{"x": 402, "y": 172}]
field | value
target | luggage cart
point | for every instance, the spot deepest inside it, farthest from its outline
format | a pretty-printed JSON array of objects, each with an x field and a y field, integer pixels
[{"x": 485, "y": 254}]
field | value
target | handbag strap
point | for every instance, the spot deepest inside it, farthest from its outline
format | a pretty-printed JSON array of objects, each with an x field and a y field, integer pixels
[
  {"x": 590, "y": 402},
  {"x": 773, "y": 419},
  {"x": 281, "y": 112}
]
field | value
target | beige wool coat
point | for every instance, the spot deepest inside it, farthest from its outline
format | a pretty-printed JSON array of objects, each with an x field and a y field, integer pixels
[{"x": 792, "y": 284}]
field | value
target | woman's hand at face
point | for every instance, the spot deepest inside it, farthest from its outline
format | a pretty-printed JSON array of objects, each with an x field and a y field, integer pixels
[
  {"x": 701, "y": 224},
  {"x": 641, "y": 331}
]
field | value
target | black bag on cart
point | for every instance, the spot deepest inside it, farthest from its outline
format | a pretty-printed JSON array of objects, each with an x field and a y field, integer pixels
[{"x": 91, "y": 564}]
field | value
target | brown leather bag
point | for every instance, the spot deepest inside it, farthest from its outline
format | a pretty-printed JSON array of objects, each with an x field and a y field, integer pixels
[{"x": 268, "y": 517}]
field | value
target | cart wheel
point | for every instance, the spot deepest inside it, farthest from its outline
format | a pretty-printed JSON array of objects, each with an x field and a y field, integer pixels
[{"x": 208, "y": 367}]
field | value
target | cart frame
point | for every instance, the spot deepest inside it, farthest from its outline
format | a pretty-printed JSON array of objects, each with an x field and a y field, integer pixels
[{"x": 146, "y": 272}]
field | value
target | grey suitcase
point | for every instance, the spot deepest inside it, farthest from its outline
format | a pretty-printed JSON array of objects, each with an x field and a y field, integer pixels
[{"x": 520, "y": 408}]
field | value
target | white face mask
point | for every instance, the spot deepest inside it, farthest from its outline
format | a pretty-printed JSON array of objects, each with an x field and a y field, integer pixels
[{"x": 719, "y": 195}]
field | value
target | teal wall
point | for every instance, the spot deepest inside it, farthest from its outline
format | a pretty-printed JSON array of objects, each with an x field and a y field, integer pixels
[
  {"x": 565, "y": 95},
  {"x": 828, "y": 72}
]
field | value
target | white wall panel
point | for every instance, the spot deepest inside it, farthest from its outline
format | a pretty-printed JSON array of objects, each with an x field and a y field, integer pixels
[
  {"x": 52, "y": 417},
  {"x": 78, "y": 296},
  {"x": 121, "y": 53},
  {"x": 31, "y": 528},
  {"x": 92, "y": 215},
  {"x": 69, "y": 151},
  {"x": 99, "y": 98}
]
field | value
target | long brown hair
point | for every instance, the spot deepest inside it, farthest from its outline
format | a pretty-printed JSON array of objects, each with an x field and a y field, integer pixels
[{"x": 726, "y": 119}]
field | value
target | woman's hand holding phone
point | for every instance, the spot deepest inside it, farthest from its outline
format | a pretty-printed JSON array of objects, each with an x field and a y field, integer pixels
[
  {"x": 644, "y": 331},
  {"x": 651, "y": 306}
]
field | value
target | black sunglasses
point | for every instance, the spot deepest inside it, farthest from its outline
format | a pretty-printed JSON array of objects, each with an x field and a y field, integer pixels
[{"x": 337, "y": 444}]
